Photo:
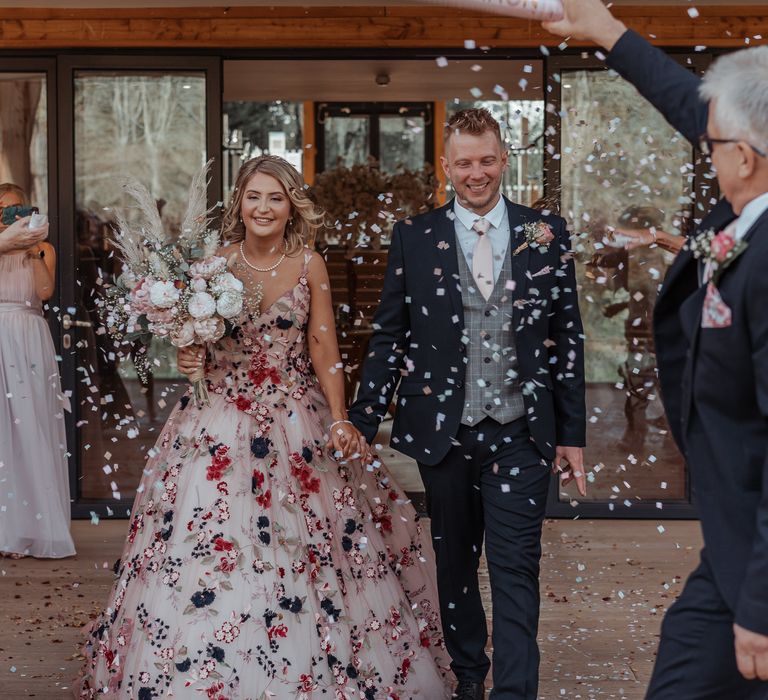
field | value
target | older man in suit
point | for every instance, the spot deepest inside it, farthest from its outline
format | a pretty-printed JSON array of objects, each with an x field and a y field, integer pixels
[
  {"x": 479, "y": 330},
  {"x": 711, "y": 331}
]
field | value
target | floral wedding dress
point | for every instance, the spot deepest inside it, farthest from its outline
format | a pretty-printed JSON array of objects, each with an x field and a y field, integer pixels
[{"x": 256, "y": 566}]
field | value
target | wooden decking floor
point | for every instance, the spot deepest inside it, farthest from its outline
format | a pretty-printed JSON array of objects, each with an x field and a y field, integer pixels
[{"x": 605, "y": 586}]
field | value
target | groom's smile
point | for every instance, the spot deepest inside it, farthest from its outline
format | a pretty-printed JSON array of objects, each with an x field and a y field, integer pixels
[{"x": 475, "y": 164}]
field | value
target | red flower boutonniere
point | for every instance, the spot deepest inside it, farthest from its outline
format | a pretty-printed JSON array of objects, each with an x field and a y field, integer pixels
[
  {"x": 537, "y": 235},
  {"x": 718, "y": 251}
]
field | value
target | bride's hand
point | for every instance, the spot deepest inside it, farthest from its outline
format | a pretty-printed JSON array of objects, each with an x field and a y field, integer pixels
[
  {"x": 190, "y": 359},
  {"x": 346, "y": 441}
]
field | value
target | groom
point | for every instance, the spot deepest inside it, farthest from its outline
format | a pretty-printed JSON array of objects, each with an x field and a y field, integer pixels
[{"x": 479, "y": 332}]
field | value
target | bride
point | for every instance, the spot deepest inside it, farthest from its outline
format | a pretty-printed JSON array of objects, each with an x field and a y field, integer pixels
[{"x": 256, "y": 566}]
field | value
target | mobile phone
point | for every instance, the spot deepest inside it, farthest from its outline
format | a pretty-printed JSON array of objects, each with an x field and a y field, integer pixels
[{"x": 10, "y": 214}]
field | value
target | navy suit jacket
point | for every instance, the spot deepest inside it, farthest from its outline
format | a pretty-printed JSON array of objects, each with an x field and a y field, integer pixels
[
  {"x": 714, "y": 381},
  {"x": 418, "y": 342}
]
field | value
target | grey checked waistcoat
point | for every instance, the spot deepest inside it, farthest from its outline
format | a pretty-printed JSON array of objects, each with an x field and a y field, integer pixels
[{"x": 491, "y": 383}]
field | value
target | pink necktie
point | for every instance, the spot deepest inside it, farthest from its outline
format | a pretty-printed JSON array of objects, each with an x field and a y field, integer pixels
[{"x": 482, "y": 258}]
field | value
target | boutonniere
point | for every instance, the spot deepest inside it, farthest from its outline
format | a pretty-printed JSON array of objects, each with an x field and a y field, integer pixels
[
  {"x": 537, "y": 235},
  {"x": 716, "y": 250}
]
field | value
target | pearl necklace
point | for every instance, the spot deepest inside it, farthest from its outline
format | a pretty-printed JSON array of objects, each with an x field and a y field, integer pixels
[{"x": 260, "y": 269}]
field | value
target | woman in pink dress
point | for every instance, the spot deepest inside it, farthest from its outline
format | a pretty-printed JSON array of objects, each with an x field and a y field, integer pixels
[
  {"x": 34, "y": 482},
  {"x": 256, "y": 565}
]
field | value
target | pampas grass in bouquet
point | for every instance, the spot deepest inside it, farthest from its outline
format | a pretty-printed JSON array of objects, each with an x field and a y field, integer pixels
[{"x": 173, "y": 285}]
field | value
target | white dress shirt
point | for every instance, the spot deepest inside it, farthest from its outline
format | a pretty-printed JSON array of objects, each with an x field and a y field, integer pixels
[
  {"x": 750, "y": 214},
  {"x": 498, "y": 233}
]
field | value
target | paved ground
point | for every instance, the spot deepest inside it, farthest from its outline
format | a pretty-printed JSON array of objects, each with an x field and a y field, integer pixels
[{"x": 605, "y": 586}]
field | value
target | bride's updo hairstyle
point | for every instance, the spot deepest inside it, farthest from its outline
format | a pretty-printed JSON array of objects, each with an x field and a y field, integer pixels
[{"x": 306, "y": 218}]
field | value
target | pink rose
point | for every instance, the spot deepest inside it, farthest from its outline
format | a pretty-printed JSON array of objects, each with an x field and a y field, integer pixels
[
  {"x": 208, "y": 330},
  {"x": 722, "y": 244},
  {"x": 161, "y": 316},
  {"x": 139, "y": 297},
  {"x": 545, "y": 237},
  {"x": 208, "y": 267}
]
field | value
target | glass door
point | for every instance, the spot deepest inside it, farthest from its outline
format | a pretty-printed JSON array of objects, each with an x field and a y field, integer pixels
[
  {"x": 154, "y": 124},
  {"x": 616, "y": 163},
  {"x": 24, "y": 126}
]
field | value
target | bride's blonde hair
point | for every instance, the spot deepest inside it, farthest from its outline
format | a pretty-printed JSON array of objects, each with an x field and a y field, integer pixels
[{"x": 306, "y": 217}]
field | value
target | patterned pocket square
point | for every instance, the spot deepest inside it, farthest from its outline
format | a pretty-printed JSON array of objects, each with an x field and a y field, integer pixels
[{"x": 716, "y": 313}]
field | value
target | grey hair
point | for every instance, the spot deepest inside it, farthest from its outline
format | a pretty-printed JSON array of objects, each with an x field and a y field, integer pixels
[{"x": 739, "y": 83}]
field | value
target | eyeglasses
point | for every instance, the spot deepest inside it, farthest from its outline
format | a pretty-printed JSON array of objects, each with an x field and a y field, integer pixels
[{"x": 706, "y": 142}]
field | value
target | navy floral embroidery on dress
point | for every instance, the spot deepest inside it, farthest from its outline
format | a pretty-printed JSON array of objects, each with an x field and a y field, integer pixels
[{"x": 255, "y": 565}]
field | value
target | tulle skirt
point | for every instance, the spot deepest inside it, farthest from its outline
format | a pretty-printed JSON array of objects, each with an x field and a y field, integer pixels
[
  {"x": 258, "y": 567},
  {"x": 34, "y": 482}
]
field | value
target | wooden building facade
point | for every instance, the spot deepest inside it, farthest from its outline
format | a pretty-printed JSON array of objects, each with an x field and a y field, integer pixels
[{"x": 91, "y": 94}]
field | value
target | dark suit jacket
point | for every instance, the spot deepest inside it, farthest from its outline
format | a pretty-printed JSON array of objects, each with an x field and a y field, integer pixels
[
  {"x": 418, "y": 343},
  {"x": 714, "y": 382}
]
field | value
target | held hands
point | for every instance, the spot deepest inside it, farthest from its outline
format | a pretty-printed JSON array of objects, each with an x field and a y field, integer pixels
[
  {"x": 347, "y": 442},
  {"x": 191, "y": 359},
  {"x": 19, "y": 237},
  {"x": 569, "y": 466},
  {"x": 587, "y": 20},
  {"x": 751, "y": 653}
]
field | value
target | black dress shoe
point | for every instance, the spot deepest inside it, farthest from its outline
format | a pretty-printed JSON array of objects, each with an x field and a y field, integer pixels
[{"x": 469, "y": 690}]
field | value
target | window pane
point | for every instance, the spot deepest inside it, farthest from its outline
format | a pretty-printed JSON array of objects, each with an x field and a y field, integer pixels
[
  {"x": 346, "y": 141},
  {"x": 622, "y": 166},
  {"x": 402, "y": 143},
  {"x": 254, "y": 128},
  {"x": 24, "y": 138},
  {"x": 151, "y": 127}
]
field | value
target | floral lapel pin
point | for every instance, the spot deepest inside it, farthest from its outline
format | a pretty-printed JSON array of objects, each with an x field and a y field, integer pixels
[
  {"x": 537, "y": 235},
  {"x": 717, "y": 251}
]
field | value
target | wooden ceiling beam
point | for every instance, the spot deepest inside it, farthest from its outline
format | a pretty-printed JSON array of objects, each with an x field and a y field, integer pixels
[{"x": 354, "y": 26}]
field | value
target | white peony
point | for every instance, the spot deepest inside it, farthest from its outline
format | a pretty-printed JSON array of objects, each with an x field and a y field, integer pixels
[
  {"x": 163, "y": 295},
  {"x": 201, "y": 305},
  {"x": 229, "y": 304},
  {"x": 226, "y": 282},
  {"x": 208, "y": 267},
  {"x": 183, "y": 335},
  {"x": 198, "y": 284},
  {"x": 209, "y": 330}
]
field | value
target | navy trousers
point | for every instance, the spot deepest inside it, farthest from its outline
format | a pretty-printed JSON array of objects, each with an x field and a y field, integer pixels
[
  {"x": 491, "y": 486},
  {"x": 696, "y": 659}
]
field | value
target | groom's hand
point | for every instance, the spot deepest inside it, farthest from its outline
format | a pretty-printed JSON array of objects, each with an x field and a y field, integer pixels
[
  {"x": 751, "y": 653},
  {"x": 569, "y": 466},
  {"x": 588, "y": 20}
]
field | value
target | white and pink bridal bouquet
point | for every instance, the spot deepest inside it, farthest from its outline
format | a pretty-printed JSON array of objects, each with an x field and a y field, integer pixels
[
  {"x": 172, "y": 287},
  {"x": 544, "y": 10}
]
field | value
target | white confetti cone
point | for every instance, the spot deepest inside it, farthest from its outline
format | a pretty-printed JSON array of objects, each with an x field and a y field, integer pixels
[{"x": 549, "y": 10}]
